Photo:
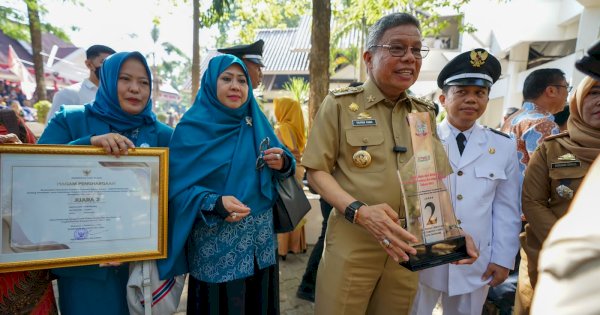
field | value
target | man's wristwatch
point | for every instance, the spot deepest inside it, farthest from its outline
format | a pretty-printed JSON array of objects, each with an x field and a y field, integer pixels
[{"x": 351, "y": 210}]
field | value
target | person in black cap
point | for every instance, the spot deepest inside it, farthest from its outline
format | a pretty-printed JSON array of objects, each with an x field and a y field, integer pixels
[
  {"x": 251, "y": 55},
  {"x": 484, "y": 185}
]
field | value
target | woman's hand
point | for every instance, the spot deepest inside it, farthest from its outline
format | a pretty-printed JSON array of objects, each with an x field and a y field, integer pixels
[
  {"x": 9, "y": 138},
  {"x": 237, "y": 210},
  {"x": 113, "y": 143},
  {"x": 273, "y": 157}
]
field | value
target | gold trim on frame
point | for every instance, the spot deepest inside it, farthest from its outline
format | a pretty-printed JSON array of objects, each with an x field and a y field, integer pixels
[{"x": 163, "y": 177}]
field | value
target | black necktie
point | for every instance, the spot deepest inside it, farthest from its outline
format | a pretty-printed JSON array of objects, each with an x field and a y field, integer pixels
[{"x": 460, "y": 141}]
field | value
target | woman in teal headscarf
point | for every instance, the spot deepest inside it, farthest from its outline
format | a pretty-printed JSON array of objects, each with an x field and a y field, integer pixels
[
  {"x": 119, "y": 118},
  {"x": 224, "y": 162}
]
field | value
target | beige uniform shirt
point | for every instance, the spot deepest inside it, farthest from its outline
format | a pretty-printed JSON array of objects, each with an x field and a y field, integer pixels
[
  {"x": 338, "y": 132},
  {"x": 552, "y": 178}
]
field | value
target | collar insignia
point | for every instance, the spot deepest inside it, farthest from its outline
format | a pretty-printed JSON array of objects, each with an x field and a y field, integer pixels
[{"x": 567, "y": 157}]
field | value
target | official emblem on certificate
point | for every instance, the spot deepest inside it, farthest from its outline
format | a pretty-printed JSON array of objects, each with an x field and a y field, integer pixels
[
  {"x": 70, "y": 205},
  {"x": 428, "y": 208}
]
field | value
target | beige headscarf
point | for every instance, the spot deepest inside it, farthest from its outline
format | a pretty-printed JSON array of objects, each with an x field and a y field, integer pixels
[{"x": 583, "y": 141}]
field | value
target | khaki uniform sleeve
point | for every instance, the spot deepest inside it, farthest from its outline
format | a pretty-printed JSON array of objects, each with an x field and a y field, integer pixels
[
  {"x": 323, "y": 142},
  {"x": 535, "y": 196}
]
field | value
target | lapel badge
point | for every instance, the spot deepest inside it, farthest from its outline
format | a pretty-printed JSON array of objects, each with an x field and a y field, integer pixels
[
  {"x": 564, "y": 192},
  {"x": 361, "y": 159},
  {"x": 567, "y": 157},
  {"x": 370, "y": 98},
  {"x": 478, "y": 58},
  {"x": 353, "y": 107},
  {"x": 492, "y": 150},
  {"x": 249, "y": 121},
  {"x": 364, "y": 115}
]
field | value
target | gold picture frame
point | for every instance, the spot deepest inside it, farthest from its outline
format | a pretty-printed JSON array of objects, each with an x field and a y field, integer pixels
[{"x": 63, "y": 206}]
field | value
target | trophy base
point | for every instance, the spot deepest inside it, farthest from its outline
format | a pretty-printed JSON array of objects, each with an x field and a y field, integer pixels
[{"x": 435, "y": 254}]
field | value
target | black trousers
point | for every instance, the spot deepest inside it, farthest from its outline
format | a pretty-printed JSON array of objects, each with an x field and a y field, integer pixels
[
  {"x": 257, "y": 294},
  {"x": 309, "y": 279}
]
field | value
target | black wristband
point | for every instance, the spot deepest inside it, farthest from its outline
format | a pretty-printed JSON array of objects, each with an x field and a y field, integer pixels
[
  {"x": 350, "y": 213},
  {"x": 220, "y": 208}
]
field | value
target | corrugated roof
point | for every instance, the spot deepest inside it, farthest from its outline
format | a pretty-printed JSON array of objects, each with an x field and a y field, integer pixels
[{"x": 279, "y": 55}]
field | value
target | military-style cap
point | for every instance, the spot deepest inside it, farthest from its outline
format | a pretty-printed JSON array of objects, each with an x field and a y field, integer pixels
[
  {"x": 251, "y": 52},
  {"x": 475, "y": 67},
  {"x": 590, "y": 63}
]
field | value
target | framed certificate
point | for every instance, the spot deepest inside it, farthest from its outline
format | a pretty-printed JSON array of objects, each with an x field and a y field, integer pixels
[{"x": 66, "y": 206}]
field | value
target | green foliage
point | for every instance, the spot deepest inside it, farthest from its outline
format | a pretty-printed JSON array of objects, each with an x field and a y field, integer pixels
[
  {"x": 341, "y": 57},
  {"x": 162, "y": 117},
  {"x": 42, "y": 108},
  {"x": 299, "y": 88},
  {"x": 14, "y": 22},
  {"x": 247, "y": 16},
  {"x": 364, "y": 13}
]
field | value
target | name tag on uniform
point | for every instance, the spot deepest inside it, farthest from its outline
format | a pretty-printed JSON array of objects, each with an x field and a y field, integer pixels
[
  {"x": 364, "y": 122},
  {"x": 566, "y": 164}
]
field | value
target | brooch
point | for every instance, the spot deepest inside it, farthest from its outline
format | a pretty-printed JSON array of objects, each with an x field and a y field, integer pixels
[{"x": 564, "y": 192}]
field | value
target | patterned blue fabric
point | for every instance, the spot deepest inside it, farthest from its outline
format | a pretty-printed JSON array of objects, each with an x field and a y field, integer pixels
[
  {"x": 106, "y": 105},
  {"x": 226, "y": 252},
  {"x": 212, "y": 153},
  {"x": 529, "y": 126}
]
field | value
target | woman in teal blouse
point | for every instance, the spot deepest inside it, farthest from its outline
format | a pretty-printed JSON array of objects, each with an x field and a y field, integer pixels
[
  {"x": 224, "y": 163},
  {"x": 118, "y": 119}
]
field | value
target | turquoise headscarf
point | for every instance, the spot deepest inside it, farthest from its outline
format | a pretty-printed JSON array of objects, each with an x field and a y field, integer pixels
[
  {"x": 207, "y": 139},
  {"x": 106, "y": 105},
  {"x": 214, "y": 150}
]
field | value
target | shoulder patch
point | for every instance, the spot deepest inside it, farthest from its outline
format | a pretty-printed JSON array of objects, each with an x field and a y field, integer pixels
[
  {"x": 498, "y": 132},
  {"x": 423, "y": 101},
  {"x": 559, "y": 135},
  {"x": 346, "y": 90}
]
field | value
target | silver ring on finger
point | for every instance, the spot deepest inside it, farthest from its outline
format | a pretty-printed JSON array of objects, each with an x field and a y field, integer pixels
[
  {"x": 386, "y": 243},
  {"x": 277, "y": 156},
  {"x": 234, "y": 215}
]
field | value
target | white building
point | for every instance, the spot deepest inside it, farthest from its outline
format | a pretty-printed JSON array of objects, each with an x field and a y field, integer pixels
[{"x": 525, "y": 35}]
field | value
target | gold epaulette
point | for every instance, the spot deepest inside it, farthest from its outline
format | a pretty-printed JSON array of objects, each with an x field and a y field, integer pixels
[
  {"x": 559, "y": 135},
  {"x": 346, "y": 90},
  {"x": 423, "y": 101}
]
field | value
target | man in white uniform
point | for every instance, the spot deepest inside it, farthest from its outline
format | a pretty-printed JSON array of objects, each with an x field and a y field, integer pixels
[
  {"x": 485, "y": 188},
  {"x": 84, "y": 91}
]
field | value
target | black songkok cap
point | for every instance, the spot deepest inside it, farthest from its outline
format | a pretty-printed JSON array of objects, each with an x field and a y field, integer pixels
[
  {"x": 590, "y": 64},
  {"x": 251, "y": 52},
  {"x": 475, "y": 67}
]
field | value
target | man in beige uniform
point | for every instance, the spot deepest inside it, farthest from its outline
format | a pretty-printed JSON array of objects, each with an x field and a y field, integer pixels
[{"x": 360, "y": 139}]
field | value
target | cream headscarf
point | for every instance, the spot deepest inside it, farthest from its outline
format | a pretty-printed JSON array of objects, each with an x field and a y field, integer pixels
[
  {"x": 290, "y": 123},
  {"x": 583, "y": 141}
]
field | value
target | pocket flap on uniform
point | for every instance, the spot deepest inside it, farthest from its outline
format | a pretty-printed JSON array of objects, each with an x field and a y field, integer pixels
[
  {"x": 364, "y": 137},
  {"x": 567, "y": 172},
  {"x": 490, "y": 173}
]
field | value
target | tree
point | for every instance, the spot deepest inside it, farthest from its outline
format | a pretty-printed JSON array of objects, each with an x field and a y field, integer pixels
[
  {"x": 36, "y": 48},
  {"x": 319, "y": 56},
  {"x": 10, "y": 24}
]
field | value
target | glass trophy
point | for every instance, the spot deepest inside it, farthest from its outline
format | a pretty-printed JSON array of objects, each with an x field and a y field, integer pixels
[{"x": 428, "y": 207}]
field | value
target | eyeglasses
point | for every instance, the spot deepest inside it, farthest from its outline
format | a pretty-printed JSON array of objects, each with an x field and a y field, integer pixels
[
  {"x": 264, "y": 145},
  {"x": 400, "y": 51},
  {"x": 568, "y": 87}
]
